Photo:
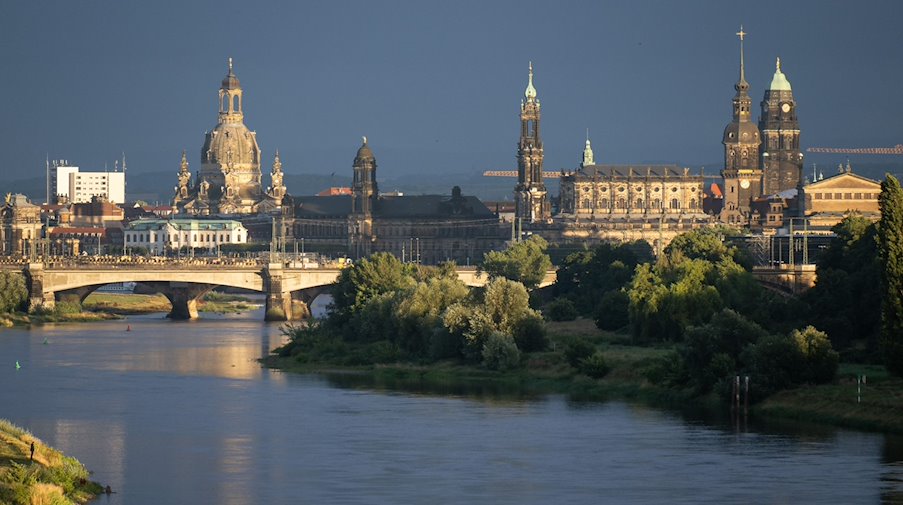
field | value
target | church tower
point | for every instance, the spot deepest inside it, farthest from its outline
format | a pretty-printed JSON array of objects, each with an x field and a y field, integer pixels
[
  {"x": 742, "y": 174},
  {"x": 782, "y": 161},
  {"x": 531, "y": 202},
  {"x": 230, "y": 158},
  {"x": 364, "y": 194}
]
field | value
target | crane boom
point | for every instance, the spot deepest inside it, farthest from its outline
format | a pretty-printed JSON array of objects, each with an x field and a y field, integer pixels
[
  {"x": 513, "y": 173},
  {"x": 897, "y": 149}
]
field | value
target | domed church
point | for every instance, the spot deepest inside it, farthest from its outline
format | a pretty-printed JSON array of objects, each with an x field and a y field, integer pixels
[{"x": 229, "y": 181}]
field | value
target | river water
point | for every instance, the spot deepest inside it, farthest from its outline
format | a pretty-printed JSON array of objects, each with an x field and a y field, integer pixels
[{"x": 181, "y": 413}]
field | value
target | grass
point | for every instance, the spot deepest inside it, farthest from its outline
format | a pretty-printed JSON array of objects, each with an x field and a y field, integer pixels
[
  {"x": 143, "y": 304},
  {"x": 51, "y": 478}
]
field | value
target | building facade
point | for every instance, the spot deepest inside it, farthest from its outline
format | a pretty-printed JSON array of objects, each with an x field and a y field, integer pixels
[
  {"x": 426, "y": 229},
  {"x": 229, "y": 181},
  {"x": 827, "y": 201},
  {"x": 20, "y": 226},
  {"x": 162, "y": 236}
]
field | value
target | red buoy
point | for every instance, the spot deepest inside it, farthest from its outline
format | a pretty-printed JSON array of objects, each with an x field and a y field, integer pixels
[{"x": 128, "y": 328}]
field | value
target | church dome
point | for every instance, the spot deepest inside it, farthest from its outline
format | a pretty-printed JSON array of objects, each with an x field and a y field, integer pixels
[
  {"x": 364, "y": 153},
  {"x": 230, "y": 143},
  {"x": 779, "y": 82},
  {"x": 741, "y": 131}
]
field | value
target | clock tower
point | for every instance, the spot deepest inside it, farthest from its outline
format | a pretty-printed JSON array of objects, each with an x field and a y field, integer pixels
[
  {"x": 782, "y": 161},
  {"x": 742, "y": 174}
]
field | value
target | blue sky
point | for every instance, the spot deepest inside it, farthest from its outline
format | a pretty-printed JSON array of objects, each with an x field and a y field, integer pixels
[{"x": 435, "y": 86}]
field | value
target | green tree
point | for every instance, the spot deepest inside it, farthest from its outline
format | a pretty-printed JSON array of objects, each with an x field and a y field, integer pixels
[
  {"x": 370, "y": 277},
  {"x": 612, "y": 313},
  {"x": 13, "y": 291},
  {"x": 525, "y": 262},
  {"x": 585, "y": 276},
  {"x": 822, "y": 360},
  {"x": 846, "y": 298},
  {"x": 890, "y": 252},
  {"x": 419, "y": 313}
]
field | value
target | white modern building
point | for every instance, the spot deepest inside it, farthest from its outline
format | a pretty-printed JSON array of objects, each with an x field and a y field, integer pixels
[
  {"x": 161, "y": 235},
  {"x": 67, "y": 184}
]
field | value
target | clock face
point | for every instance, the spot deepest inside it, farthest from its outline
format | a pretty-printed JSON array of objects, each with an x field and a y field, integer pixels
[
  {"x": 744, "y": 184},
  {"x": 785, "y": 107}
]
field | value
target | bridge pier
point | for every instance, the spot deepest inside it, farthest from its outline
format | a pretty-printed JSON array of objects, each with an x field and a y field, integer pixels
[
  {"x": 279, "y": 300},
  {"x": 183, "y": 296},
  {"x": 38, "y": 298}
]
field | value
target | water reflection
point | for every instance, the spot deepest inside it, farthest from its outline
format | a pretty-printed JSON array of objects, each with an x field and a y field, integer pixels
[{"x": 161, "y": 414}]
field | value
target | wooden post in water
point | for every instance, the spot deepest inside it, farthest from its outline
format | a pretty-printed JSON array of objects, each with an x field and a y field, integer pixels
[
  {"x": 737, "y": 392},
  {"x": 745, "y": 394}
]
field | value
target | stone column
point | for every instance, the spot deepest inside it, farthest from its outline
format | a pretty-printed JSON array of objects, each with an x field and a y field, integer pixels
[{"x": 279, "y": 300}]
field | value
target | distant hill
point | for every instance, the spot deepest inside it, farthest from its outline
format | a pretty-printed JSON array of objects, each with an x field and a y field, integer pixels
[{"x": 158, "y": 187}]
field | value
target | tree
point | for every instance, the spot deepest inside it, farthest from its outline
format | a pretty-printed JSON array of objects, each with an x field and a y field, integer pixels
[
  {"x": 890, "y": 253},
  {"x": 370, "y": 277},
  {"x": 525, "y": 262},
  {"x": 13, "y": 291},
  {"x": 586, "y": 276},
  {"x": 822, "y": 360}
]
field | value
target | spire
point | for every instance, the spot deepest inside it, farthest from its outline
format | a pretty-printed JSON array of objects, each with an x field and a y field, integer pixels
[
  {"x": 183, "y": 167},
  {"x": 530, "y": 92},
  {"x": 587, "y": 152},
  {"x": 779, "y": 82},
  {"x": 277, "y": 163},
  {"x": 742, "y": 85},
  {"x": 230, "y": 65}
]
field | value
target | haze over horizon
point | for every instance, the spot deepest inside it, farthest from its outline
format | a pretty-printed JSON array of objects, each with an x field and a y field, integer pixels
[{"x": 435, "y": 87}]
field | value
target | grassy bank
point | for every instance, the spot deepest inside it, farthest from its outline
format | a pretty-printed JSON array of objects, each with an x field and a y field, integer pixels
[
  {"x": 51, "y": 478},
  {"x": 881, "y": 408},
  {"x": 542, "y": 372}
]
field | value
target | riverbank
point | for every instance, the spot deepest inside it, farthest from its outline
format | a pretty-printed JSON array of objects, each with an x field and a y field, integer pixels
[
  {"x": 128, "y": 303},
  {"x": 51, "y": 478},
  {"x": 881, "y": 406}
]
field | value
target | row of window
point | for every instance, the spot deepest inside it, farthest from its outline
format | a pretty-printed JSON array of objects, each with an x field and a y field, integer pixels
[
  {"x": 638, "y": 189},
  {"x": 621, "y": 204},
  {"x": 845, "y": 196},
  {"x": 205, "y": 237}
]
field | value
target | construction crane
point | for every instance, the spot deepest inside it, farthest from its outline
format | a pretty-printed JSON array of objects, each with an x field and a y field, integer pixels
[
  {"x": 897, "y": 149},
  {"x": 513, "y": 173}
]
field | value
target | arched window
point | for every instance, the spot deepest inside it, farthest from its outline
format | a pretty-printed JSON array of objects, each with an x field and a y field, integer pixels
[
  {"x": 622, "y": 204},
  {"x": 692, "y": 203},
  {"x": 656, "y": 204},
  {"x": 586, "y": 204},
  {"x": 603, "y": 203},
  {"x": 675, "y": 203},
  {"x": 639, "y": 203},
  {"x": 236, "y": 104}
]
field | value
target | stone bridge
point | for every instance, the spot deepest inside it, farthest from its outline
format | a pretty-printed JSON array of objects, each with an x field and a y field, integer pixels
[
  {"x": 289, "y": 289},
  {"x": 787, "y": 279}
]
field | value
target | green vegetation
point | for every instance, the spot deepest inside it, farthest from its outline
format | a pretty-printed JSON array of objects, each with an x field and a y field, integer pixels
[
  {"x": 122, "y": 303},
  {"x": 13, "y": 292},
  {"x": 50, "y": 479},
  {"x": 890, "y": 252},
  {"x": 525, "y": 262}
]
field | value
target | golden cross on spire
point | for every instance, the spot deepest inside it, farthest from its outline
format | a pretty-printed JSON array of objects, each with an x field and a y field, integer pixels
[{"x": 741, "y": 33}]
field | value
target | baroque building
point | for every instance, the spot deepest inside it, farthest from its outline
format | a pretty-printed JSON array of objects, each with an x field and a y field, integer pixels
[
  {"x": 422, "y": 228},
  {"x": 229, "y": 181},
  {"x": 531, "y": 198}
]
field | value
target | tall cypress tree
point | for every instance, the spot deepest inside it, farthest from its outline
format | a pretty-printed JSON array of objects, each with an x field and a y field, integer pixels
[{"x": 890, "y": 252}]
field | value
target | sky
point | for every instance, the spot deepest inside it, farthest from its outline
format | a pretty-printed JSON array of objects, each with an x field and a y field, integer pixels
[{"x": 435, "y": 86}]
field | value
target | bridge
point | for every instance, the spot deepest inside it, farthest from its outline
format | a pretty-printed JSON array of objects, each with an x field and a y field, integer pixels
[
  {"x": 787, "y": 279},
  {"x": 289, "y": 287}
]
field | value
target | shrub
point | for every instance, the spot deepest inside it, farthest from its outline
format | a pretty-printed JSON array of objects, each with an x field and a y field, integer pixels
[
  {"x": 775, "y": 363},
  {"x": 576, "y": 350},
  {"x": 67, "y": 308},
  {"x": 530, "y": 334},
  {"x": 561, "y": 309},
  {"x": 500, "y": 352},
  {"x": 821, "y": 358},
  {"x": 595, "y": 365},
  {"x": 612, "y": 313}
]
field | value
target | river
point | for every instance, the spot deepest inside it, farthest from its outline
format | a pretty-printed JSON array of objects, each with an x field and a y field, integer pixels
[{"x": 169, "y": 412}]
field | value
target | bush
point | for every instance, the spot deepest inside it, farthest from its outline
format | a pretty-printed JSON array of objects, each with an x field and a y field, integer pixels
[
  {"x": 595, "y": 365},
  {"x": 612, "y": 313},
  {"x": 530, "y": 334},
  {"x": 576, "y": 350},
  {"x": 561, "y": 309},
  {"x": 67, "y": 308},
  {"x": 821, "y": 358},
  {"x": 775, "y": 363},
  {"x": 500, "y": 352}
]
